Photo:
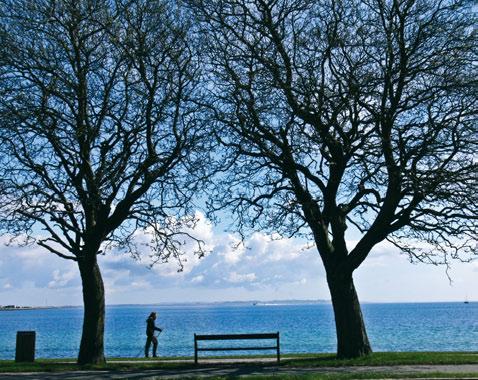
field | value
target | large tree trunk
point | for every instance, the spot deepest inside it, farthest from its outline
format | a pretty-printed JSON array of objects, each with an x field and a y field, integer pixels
[
  {"x": 352, "y": 340},
  {"x": 92, "y": 347}
]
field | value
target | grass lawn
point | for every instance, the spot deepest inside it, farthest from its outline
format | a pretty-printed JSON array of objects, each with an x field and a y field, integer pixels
[
  {"x": 384, "y": 358},
  {"x": 287, "y": 361},
  {"x": 364, "y": 375}
]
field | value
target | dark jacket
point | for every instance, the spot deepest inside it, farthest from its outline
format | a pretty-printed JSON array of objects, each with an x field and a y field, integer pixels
[{"x": 150, "y": 327}]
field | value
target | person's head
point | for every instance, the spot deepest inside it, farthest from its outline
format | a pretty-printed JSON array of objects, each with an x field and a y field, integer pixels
[{"x": 152, "y": 315}]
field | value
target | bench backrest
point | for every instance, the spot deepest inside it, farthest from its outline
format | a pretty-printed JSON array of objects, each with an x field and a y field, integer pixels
[
  {"x": 274, "y": 336},
  {"x": 236, "y": 336}
]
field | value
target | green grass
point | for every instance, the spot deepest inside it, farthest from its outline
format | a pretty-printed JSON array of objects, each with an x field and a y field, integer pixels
[
  {"x": 303, "y": 360},
  {"x": 357, "y": 376},
  {"x": 384, "y": 358},
  {"x": 329, "y": 360},
  {"x": 54, "y": 365}
]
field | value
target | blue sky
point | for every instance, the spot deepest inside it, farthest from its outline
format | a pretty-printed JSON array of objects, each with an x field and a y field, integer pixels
[{"x": 265, "y": 269}]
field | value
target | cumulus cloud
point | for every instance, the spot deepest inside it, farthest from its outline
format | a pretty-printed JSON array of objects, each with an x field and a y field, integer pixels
[
  {"x": 235, "y": 277},
  {"x": 258, "y": 262},
  {"x": 197, "y": 279},
  {"x": 32, "y": 266},
  {"x": 262, "y": 266},
  {"x": 62, "y": 279},
  {"x": 230, "y": 262}
]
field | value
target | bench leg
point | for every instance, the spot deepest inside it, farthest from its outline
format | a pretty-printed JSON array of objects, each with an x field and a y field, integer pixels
[
  {"x": 278, "y": 349},
  {"x": 195, "y": 350}
]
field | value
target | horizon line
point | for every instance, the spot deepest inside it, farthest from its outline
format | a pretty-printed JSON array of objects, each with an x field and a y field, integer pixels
[{"x": 277, "y": 302}]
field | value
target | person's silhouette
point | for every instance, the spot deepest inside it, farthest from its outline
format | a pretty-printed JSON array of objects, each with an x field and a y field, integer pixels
[{"x": 150, "y": 329}]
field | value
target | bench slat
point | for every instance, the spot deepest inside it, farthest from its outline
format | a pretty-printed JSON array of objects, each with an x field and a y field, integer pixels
[
  {"x": 236, "y": 348},
  {"x": 236, "y": 336},
  {"x": 259, "y": 336}
]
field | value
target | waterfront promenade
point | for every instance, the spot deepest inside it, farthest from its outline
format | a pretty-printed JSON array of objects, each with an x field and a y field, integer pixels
[{"x": 213, "y": 369}]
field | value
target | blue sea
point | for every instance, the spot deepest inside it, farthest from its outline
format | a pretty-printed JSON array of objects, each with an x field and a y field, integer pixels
[{"x": 304, "y": 328}]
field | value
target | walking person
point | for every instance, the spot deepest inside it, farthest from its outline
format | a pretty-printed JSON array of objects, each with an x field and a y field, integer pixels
[{"x": 150, "y": 329}]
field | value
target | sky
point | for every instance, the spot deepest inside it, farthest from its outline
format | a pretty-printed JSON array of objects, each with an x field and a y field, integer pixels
[{"x": 263, "y": 269}]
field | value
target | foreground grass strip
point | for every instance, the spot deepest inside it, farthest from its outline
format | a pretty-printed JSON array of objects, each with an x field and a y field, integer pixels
[
  {"x": 329, "y": 360},
  {"x": 61, "y": 366},
  {"x": 297, "y": 361},
  {"x": 365, "y": 375},
  {"x": 384, "y": 358}
]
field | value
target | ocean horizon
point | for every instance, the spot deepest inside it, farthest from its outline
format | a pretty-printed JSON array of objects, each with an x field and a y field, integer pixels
[
  {"x": 185, "y": 303},
  {"x": 246, "y": 302},
  {"x": 305, "y": 326}
]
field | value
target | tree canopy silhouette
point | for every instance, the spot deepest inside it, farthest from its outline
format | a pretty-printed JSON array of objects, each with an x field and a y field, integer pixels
[
  {"x": 345, "y": 119},
  {"x": 98, "y": 133}
]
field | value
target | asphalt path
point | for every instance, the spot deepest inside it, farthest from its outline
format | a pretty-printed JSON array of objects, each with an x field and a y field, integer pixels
[{"x": 233, "y": 370}]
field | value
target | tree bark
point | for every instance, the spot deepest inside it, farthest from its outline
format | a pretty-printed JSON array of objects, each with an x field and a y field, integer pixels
[
  {"x": 352, "y": 340},
  {"x": 92, "y": 346}
]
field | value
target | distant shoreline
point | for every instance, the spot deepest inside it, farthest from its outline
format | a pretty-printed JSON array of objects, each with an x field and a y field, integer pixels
[
  {"x": 16, "y": 308},
  {"x": 218, "y": 303}
]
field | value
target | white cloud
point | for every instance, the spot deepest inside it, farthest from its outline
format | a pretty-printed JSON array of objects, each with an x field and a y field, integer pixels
[
  {"x": 260, "y": 265},
  {"x": 62, "y": 279},
  {"x": 230, "y": 248},
  {"x": 197, "y": 279},
  {"x": 236, "y": 278},
  {"x": 32, "y": 266},
  {"x": 258, "y": 262},
  {"x": 141, "y": 285}
]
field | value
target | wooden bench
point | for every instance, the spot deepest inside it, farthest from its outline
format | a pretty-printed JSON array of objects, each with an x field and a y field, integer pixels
[{"x": 274, "y": 336}]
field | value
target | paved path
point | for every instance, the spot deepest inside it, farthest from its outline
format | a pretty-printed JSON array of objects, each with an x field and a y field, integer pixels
[{"x": 233, "y": 370}]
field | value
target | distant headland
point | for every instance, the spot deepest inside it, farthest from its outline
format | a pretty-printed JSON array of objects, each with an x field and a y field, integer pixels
[
  {"x": 14, "y": 307},
  {"x": 18, "y": 307},
  {"x": 198, "y": 303}
]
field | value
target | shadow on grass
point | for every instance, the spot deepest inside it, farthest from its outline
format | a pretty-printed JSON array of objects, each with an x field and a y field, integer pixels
[
  {"x": 297, "y": 361},
  {"x": 57, "y": 366},
  {"x": 386, "y": 359}
]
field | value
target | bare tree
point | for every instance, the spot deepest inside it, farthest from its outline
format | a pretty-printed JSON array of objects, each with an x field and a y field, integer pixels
[
  {"x": 356, "y": 114},
  {"x": 99, "y": 134}
]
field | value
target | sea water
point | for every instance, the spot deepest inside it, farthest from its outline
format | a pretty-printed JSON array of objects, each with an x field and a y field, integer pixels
[{"x": 303, "y": 328}]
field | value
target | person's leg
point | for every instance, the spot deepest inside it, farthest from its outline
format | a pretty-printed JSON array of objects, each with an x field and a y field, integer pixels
[
  {"x": 146, "y": 347},
  {"x": 155, "y": 346}
]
